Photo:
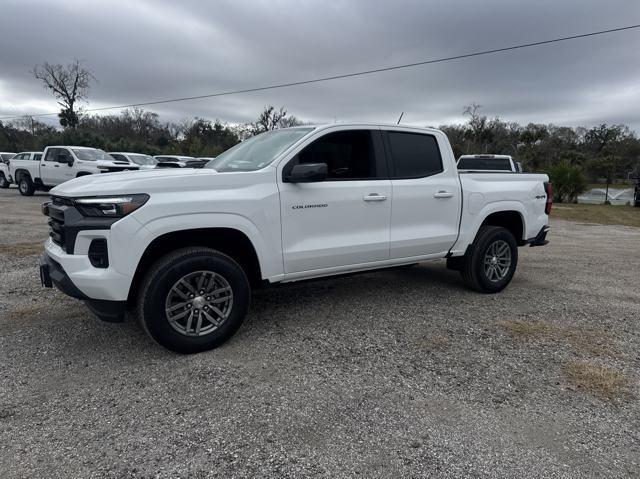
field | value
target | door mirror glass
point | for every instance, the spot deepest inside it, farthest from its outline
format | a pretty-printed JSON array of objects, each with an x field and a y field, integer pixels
[
  {"x": 64, "y": 158},
  {"x": 307, "y": 173}
]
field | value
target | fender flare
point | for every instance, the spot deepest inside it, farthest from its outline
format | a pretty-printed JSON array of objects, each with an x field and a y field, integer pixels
[
  {"x": 270, "y": 264},
  {"x": 468, "y": 235},
  {"x": 19, "y": 172}
]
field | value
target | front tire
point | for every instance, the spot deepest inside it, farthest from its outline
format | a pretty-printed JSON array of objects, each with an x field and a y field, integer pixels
[
  {"x": 193, "y": 300},
  {"x": 26, "y": 186},
  {"x": 491, "y": 262},
  {"x": 4, "y": 183}
]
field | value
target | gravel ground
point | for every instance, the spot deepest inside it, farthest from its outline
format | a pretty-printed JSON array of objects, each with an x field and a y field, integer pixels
[{"x": 401, "y": 373}]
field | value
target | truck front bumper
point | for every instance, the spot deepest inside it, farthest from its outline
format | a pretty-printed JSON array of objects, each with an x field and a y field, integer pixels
[{"x": 53, "y": 274}]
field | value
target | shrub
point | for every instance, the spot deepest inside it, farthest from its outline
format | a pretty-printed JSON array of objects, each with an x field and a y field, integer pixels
[{"x": 568, "y": 182}]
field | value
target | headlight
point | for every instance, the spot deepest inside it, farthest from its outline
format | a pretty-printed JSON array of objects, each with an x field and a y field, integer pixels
[{"x": 111, "y": 206}]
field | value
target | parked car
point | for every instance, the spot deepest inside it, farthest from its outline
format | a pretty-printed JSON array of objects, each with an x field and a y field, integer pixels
[
  {"x": 145, "y": 162},
  {"x": 62, "y": 163},
  {"x": 488, "y": 163},
  {"x": 185, "y": 246},
  {"x": 172, "y": 161},
  {"x": 6, "y": 177},
  {"x": 6, "y": 156}
]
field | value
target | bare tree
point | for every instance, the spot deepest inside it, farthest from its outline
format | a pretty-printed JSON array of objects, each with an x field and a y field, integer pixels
[
  {"x": 69, "y": 84},
  {"x": 269, "y": 119}
]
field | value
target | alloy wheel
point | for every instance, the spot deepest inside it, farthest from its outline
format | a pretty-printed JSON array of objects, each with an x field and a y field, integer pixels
[
  {"x": 497, "y": 261},
  {"x": 199, "y": 303}
]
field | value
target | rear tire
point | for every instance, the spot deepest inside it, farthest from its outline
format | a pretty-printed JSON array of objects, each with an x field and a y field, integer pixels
[
  {"x": 4, "y": 183},
  {"x": 193, "y": 300},
  {"x": 26, "y": 186},
  {"x": 491, "y": 261}
]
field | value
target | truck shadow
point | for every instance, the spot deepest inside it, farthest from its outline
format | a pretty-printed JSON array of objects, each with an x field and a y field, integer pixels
[
  {"x": 351, "y": 291},
  {"x": 288, "y": 305}
]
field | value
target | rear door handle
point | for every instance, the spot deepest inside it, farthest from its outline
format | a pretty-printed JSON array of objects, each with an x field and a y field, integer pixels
[
  {"x": 443, "y": 194},
  {"x": 56, "y": 166},
  {"x": 374, "y": 197}
]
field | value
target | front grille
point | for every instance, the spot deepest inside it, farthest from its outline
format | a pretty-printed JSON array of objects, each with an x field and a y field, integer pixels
[
  {"x": 66, "y": 221},
  {"x": 60, "y": 201},
  {"x": 56, "y": 219},
  {"x": 57, "y": 231},
  {"x": 118, "y": 169}
]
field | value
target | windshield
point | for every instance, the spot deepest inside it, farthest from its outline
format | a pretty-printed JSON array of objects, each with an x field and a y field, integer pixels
[
  {"x": 91, "y": 154},
  {"x": 7, "y": 156},
  {"x": 258, "y": 151},
  {"x": 143, "y": 159}
]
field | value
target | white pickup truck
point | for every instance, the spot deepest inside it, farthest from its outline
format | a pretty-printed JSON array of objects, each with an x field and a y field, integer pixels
[
  {"x": 185, "y": 246},
  {"x": 62, "y": 163},
  {"x": 497, "y": 163}
]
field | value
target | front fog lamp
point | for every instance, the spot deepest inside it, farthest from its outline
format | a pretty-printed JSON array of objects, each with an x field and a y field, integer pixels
[{"x": 111, "y": 206}]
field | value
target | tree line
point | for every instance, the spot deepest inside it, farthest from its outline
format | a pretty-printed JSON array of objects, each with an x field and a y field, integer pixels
[{"x": 572, "y": 156}]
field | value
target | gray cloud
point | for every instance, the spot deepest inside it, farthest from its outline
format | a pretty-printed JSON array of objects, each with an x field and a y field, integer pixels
[{"x": 150, "y": 50}]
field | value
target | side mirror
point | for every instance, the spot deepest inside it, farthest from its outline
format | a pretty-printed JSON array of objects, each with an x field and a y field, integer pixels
[
  {"x": 62, "y": 158},
  {"x": 308, "y": 173}
]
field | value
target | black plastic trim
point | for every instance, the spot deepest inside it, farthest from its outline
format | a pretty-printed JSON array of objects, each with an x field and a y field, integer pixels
[
  {"x": 67, "y": 221},
  {"x": 541, "y": 238},
  {"x": 108, "y": 311},
  {"x": 53, "y": 274}
]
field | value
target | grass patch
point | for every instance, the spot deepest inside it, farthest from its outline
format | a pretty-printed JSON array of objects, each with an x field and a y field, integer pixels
[
  {"x": 595, "y": 342},
  {"x": 25, "y": 312},
  {"x": 22, "y": 249},
  {"x": 529, "y": 329},
  {"x": 604, "y": 382},
  {"x": 599, "y": 214},
  {"x": 618, "y": 186}
]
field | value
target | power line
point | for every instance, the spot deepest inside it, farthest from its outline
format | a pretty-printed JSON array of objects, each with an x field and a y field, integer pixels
[{"x": 349, "y": 75}]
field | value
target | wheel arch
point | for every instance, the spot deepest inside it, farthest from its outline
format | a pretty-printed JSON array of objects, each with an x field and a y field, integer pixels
[
  {"x": 230, "y": 241},
  {"x": 20, "y": 172},
  {"x": 511, "y": 220}
]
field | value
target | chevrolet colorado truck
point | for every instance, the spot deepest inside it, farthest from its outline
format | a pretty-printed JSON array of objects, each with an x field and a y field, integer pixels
[
  {"x": 184, "y": 247},
  {"x": 62, "y": 163}
]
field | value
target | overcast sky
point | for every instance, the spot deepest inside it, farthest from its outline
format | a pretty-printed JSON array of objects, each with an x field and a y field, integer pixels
[{"x": 144, "y": 50}]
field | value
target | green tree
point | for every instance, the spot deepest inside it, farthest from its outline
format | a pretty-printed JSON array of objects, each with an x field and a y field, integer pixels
[{"x": 568, "y": 182}]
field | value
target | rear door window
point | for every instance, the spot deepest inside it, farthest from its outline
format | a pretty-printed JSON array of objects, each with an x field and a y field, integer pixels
[{"x": 413, "y": 155}]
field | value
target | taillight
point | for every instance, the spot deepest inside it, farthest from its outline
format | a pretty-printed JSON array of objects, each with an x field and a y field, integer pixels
[{"x": 548, "y": 189}]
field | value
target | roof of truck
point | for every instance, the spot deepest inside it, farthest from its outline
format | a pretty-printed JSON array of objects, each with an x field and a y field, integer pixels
[
  {"x": 487, "y": 156},
  {"x": 368, "y": 125},
  {"x": 72, "y": 146}
]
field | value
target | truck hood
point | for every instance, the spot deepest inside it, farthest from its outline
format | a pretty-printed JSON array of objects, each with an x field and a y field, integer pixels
[
  {"x": 113, "y": 163},
  {"x": 155, "y": 180}
]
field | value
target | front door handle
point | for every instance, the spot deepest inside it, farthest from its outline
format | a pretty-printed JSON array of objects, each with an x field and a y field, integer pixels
[
  {"x": 374, "y": 197},
  {"x": 443, "y": 194},
  {"x": 56, "y": 166}
]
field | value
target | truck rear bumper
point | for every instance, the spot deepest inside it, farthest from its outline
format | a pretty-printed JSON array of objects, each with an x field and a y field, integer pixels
[
  {"x": 541, "y": 237},
  {"x": 53, "y": 274}
]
